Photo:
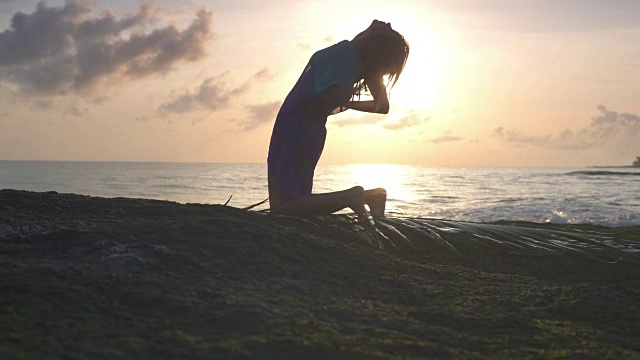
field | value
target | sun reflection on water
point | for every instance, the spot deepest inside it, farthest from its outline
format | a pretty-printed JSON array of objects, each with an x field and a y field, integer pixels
[{"x": 388, "y": 176}]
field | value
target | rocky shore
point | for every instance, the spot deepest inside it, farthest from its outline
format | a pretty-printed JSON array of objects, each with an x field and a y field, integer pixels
[{"x": 95, "y": 278}]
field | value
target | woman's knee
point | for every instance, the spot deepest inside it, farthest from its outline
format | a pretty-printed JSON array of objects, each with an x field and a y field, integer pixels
[
  {"x": 376, "y": 191},
  {"x": 357, "y": 191}
]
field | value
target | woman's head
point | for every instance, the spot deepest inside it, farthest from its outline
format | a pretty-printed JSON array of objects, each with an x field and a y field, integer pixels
[{"x": 383, "y": 51}]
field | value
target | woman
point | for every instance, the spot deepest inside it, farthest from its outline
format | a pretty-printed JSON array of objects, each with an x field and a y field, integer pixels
[{"x": 330, "y": 83}]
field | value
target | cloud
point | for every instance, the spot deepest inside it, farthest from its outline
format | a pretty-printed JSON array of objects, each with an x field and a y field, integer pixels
[
  {"x": 515, "y": 136},
  {"x": 609, "y": 130},
  {"x": 49, "y": 105},
  {"x": 263, "y": 75},
  {"x": 97, "y": 100},
  {"x": 410, "y": 120},
  {"x": 612, "y": 124},
  {"x": 444, "y": 138},
  {"x": 259, "y": 114},
  {"x": 359, "y": 120},
  {"x": 2, "y": 5},
  {"x": 212, "y": 94},
  {"x": 58, "y": 50},
  {"x": 42, "y": 105},
  {"x": 75, "y": 110}
]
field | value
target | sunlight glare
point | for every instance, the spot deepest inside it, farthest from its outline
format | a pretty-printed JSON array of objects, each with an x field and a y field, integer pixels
[
  {"x": 388, "y": 176},
  {"x": 425, "y": 72}
]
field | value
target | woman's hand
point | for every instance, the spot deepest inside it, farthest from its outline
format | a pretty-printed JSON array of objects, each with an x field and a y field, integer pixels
[
  {"x": 379, "y": 93},
  {"x": 380, "y": 102}
]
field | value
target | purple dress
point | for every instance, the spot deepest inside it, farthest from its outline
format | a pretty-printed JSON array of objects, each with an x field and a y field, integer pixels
[{"x": 299, "y": 134}]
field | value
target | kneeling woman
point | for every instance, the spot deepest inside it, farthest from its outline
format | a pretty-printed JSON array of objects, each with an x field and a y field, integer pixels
[{"x": 329, "y": 84}]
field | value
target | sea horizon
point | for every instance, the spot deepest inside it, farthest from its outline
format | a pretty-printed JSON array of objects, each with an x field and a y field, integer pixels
[
  {"x": 326, "y": 163},
  {"x": 479, "y": 194}
]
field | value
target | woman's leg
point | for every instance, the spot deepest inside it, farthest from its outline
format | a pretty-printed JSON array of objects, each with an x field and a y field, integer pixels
[
  {"x": 377, "y": 200},
  {"x": 320, "y": 204}
]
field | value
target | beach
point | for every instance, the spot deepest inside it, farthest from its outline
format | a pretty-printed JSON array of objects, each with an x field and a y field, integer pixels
[
  {"x": 143, "y": 145},
  {"x": 91, "y": 277}
]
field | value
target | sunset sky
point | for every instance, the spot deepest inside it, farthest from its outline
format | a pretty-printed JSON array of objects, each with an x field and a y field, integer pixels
[{"x": 488, "y": 83}]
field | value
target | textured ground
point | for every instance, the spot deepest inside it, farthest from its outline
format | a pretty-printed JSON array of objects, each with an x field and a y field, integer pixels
[{"x": 84, "y": 277}]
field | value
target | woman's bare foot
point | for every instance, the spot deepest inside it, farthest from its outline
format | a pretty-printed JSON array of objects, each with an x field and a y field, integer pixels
[
  {"x": 356, "y": 200},
  {"x": 377, "y": 201}
]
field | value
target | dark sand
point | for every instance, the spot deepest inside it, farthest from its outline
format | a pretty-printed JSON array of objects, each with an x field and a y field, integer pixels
[{"x": 84, "y": 277}]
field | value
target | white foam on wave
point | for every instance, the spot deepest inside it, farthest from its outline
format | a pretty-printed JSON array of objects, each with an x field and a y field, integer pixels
[{"x": 599, "y": 218}]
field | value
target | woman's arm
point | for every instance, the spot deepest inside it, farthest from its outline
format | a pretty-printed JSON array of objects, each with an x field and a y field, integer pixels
[
  {"x": 340, "y": 94},
  {"x": 369, "y": 106},
  {"x": 380, "y": 102}
]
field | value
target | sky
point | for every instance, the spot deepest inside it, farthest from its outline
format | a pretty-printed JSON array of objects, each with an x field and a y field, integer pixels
[{"x": 487, "y": 83}]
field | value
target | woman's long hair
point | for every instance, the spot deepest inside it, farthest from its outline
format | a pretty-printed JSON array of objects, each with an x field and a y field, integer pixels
[{"x": 387, "y": 54}]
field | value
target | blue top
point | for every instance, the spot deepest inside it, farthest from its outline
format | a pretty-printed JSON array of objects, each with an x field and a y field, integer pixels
[{"x": 299, "y": 134}]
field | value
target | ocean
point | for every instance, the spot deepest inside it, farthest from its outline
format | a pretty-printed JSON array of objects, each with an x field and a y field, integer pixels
[{"x": 605, "y": 196}]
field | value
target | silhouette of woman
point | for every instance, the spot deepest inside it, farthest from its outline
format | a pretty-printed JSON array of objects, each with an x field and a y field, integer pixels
[{"x": 330, "y": 83}]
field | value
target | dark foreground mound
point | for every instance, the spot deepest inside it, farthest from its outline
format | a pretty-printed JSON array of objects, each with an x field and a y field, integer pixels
[{"x": 84, "y": 277}]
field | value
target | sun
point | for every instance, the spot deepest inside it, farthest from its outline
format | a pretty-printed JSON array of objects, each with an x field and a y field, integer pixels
[{"x": 423, "y": 75}]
